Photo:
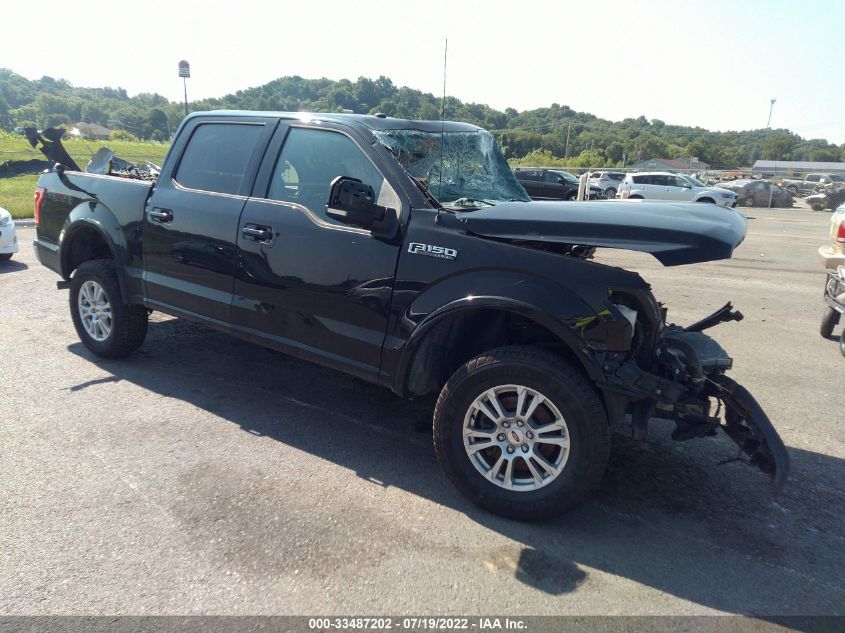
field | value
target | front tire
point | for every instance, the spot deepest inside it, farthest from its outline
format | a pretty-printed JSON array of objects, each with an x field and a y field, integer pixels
[
  {"x": 521, "y": 433},
  {"x": 748, "y": 202},
  {"x": 106, "y": 325},
  {"x": 829, "y": 321},
  {"x": 610, "y": 192},
  {"x": 842, "y": 342}
]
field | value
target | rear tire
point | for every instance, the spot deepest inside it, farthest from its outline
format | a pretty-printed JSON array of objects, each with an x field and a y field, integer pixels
[
  {"x": 829, "y": 321},
  {"x": 610, "y": 192},
  {"x": 748, "y": 202},
  {"x": 4, "y": 257},
  {"x": 635, "y": 197},
  {"x": 842, "y": 342},
  {"x": 555, "y": 451},
  {"x": 106, "y": 325}
]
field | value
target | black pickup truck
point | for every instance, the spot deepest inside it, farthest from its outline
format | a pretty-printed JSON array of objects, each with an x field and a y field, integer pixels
[{"x": 407, "y": 253}]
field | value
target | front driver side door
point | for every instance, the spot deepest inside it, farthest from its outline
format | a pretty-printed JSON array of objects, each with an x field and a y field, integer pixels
[{"x": 305, "y": 283}]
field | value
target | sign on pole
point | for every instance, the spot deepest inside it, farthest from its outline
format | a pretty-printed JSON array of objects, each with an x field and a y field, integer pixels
[{"x": 184, "y": 69}]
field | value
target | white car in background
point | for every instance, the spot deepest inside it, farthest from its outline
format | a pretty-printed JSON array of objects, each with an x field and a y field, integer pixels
[
  {"x": 664, "y": 185},
  {"x": 8, "y": 236},
  {"x": 607, "y": 181}
]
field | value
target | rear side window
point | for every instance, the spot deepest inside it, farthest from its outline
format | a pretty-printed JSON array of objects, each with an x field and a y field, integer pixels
[
  {"x": 217, "y": 156},
  {"x": 813, "y": 178},
  {"x": 640, "y": 180}
]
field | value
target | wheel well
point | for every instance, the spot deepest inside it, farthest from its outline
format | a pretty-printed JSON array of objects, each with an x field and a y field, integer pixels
[
  {"x": 86, "y": 243},
  {"x": 636, "y": 196},
  {"x": 710, "y": 200},
  {"x": 456, "y": 339}
]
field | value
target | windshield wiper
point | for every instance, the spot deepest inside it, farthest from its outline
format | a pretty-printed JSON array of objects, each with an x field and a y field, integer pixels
[
  {"x": 467, "y": 204},
  {"x": 423, "y": 186}
]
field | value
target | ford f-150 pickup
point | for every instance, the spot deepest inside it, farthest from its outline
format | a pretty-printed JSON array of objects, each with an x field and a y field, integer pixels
[{"x": 407, "y": 253}]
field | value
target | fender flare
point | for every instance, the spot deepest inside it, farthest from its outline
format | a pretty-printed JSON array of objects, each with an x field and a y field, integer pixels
[
  {"x": 560, "y": 330},
  {"x": 95, "y": 216}
]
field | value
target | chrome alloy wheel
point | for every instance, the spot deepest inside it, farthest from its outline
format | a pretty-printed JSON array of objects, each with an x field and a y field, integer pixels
[
  {"x": 516, "y": 438},
  {"x": 94, "y": 310}
]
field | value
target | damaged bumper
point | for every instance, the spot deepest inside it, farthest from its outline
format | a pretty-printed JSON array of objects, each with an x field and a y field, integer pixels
[{"x": 687, "y": 383}]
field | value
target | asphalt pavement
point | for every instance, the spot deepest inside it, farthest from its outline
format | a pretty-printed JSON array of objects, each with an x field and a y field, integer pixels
[{"x": 206, "y": 475}]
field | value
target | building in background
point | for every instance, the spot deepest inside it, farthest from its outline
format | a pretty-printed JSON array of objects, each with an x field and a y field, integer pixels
[
  {"x": 774, "y": 168},
  {"x": 670, "y": 164}
]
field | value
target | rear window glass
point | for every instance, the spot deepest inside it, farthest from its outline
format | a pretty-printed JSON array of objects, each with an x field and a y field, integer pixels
[{"x": 217, "y": 156}]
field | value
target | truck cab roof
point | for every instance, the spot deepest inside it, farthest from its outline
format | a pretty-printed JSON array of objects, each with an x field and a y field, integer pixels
[{"x": 368, "y": 121}]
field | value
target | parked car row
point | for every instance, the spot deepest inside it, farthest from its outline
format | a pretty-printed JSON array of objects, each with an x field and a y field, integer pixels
[{"x": 820, "y": 191}]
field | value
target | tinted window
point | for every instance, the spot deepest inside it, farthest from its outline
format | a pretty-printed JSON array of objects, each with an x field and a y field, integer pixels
[
  {"x": 217, "y": 156},
  {"x": 660, "y": 180},
  {"x": 813, "y": 178},
  {"x": 615, "y": 175},
  {"x": 674, "y": 181},
  {"x": 310, "y": 160},
  {"x": 551, "y": 176},
  {"x": 641, "y": 180}
]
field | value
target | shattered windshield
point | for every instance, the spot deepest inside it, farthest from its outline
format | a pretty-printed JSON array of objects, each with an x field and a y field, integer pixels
[{"x": 473, "y": 174}]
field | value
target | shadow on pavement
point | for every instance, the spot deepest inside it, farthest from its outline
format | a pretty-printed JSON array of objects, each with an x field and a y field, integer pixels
[
  {"x": 12, "y": 266},
  {"x": 665, "y": 516}
]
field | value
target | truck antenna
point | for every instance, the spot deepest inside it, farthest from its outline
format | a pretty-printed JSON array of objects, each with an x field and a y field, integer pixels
[{"x": 443, "y": 118}]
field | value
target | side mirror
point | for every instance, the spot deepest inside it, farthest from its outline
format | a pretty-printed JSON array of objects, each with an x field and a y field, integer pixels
[{"x": 353, "y": 202}]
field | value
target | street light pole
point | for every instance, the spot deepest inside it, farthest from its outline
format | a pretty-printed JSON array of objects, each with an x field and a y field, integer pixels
[
  {"x": 185, "y": 86},
  {"x": 184, "y": 73},
  {"x": 771, "y": 107}
]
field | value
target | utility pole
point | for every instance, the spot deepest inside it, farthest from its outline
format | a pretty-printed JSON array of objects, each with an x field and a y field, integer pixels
[
  {"x": 568, "y": 130},
  {"x": 771, "y": 107}
]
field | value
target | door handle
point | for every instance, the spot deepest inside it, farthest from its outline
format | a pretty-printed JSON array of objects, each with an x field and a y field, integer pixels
[
  {"x": 257, "y": 233},
  {"x": 160, "y": 215}
]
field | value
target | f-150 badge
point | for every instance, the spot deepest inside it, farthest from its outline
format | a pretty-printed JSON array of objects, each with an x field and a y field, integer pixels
[{"x": 432, "y": 251}]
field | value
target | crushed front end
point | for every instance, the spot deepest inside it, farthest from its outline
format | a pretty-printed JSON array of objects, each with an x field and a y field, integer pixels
[{"x": 680, "y": 374}]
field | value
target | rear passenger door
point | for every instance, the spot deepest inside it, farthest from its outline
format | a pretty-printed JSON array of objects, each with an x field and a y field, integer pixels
[{"x": 191, "y": 220}]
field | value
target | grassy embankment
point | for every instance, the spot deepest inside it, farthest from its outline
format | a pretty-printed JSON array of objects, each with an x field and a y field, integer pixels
[{"x": 16, "y": 193}]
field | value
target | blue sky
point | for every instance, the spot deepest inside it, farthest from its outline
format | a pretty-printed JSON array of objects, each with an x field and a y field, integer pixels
[{"x": 713, "y": 63}]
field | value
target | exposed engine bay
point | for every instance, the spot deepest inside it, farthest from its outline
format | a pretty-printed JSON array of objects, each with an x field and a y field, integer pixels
[{"x": 687, "y": 384}]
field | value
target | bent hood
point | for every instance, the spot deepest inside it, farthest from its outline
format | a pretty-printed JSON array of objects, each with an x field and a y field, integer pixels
[{"x": 674, "y": 232}]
